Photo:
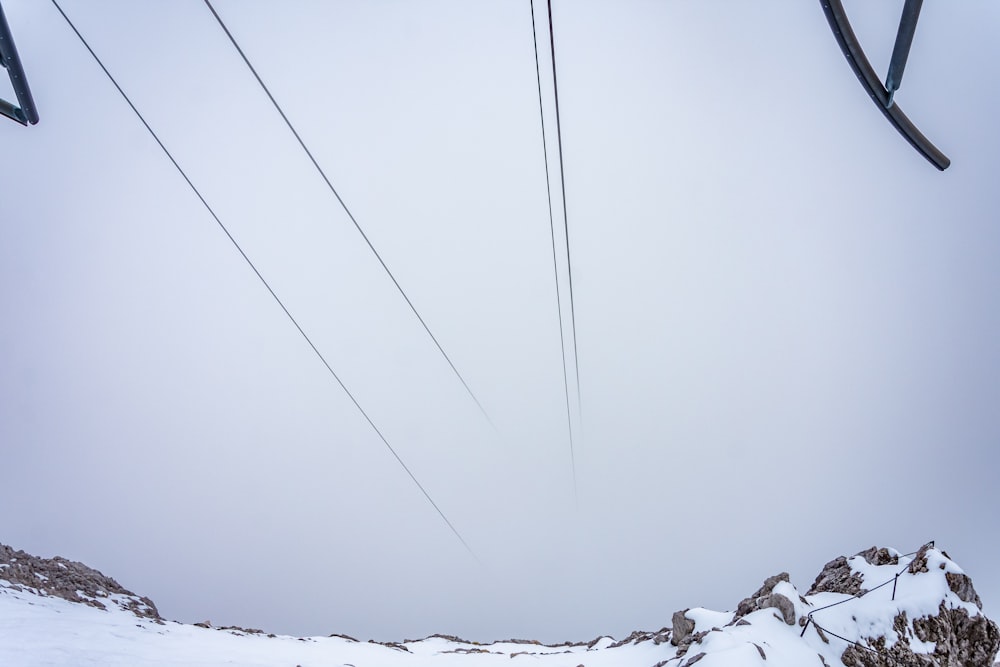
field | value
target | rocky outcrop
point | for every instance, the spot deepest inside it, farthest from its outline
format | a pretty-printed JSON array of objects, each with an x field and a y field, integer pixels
[
  {"x": 960, "y": 638},
  {"x": 948, "y": 632},
  {"x": 879, "y": 556},
  {"x": 961, "y": 585},
  {"x": 766, "y": 598},
  {"x": 877, "y": 608},
  {"x": 71, "y": 581},
  {"x": 919, "y": 563},
  {"x": 682, "y": 628},
  {"x": 837, "y": 577},
  {"x": 639, "y": 636}
]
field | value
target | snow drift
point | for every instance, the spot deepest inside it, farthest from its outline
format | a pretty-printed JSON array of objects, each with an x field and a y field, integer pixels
[{"x": 877, "y": 608}]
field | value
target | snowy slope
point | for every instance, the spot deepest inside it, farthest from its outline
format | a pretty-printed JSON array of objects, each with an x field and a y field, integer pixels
[{"x": 776, "y": 627}]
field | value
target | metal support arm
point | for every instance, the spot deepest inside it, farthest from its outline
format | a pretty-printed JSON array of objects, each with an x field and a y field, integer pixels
[
  {"x": 851, "y": 48},
  {"x": 26, "y": 113},
  {"x": 901, "y": 50}
]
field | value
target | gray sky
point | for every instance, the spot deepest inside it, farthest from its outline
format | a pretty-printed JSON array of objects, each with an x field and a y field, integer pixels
[{"x": 788, "y": 323}]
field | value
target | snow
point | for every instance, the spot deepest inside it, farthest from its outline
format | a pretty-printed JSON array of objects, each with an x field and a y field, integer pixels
[
  {"x": 42, "y": 630},
  {"x": 39, "y": 630},
  {"x": 706, "y": 618}
]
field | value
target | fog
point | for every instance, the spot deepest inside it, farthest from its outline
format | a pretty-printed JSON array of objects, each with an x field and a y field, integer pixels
[{"x": 787, "y": 320}]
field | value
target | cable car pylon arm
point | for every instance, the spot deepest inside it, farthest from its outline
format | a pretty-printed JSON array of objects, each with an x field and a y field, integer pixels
[
  {"x": 858, "y": 61},
  {"x": 901, "y": 49},
  {"x": 26, "y": 113}
]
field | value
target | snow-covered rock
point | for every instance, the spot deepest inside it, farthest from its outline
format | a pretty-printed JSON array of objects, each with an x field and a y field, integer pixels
[
  {"x": 69, "y": 580},
  {"x": 877, "y": 608}
]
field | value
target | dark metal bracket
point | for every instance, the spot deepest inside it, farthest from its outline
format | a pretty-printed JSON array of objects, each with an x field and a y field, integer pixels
[
  {"x": 25, "y": 113},
  {"x": 901, "y": 49},
  {"x": 879, "y": 94}
]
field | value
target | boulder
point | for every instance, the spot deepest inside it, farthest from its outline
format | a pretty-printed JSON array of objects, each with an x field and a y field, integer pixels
[
  {"x": 682, "y": 628},
  {"x": 763, "y": 598}
]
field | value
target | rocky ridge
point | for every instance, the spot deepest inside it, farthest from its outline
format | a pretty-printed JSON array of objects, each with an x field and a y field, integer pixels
[
  {"x": 878, "y": 631},
  {"x": 71, "y": 581},
  {"x": 878, "y": 608}
]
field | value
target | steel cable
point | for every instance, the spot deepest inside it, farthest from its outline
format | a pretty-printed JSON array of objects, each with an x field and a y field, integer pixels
[
  {"x": 555, "y": 264},
  {"x": 350, "y": 215},
  {"x": 263, "y": 281},
  {"x": 562, "y": 182}
]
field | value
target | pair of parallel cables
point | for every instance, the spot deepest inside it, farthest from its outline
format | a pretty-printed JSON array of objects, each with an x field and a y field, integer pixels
[
  {"x": 375, "y": 252},
  {"x": 552, "y": 230},
  {"x": 265, "y": 283}
]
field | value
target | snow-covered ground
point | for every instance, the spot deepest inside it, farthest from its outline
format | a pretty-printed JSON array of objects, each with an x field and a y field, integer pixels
[{"x": 39, "y": 629}]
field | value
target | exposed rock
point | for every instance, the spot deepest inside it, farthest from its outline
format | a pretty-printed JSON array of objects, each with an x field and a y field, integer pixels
[
  {"x": 765, "y": 598},
  {"x": 919, "y": 562},
  {"x": 661, "y": 636},
  {"x": 682, "y": 628},
  {"x": 782, "y": 604},
  {"x": 836, "y": 577},
  {"x": 235, "y": 629},
  {"x": 71, "y": 581},
  {"x": 394, "y": 645},
  {"x": 636, "y": 637},
  {"x": 658, "y": 637},
  {"x": 693, "y": 659},
  {"x": 960, "y": 636},
  {"x": 449, "y": 638},
  {"x": 879, "y": 556},
  {"x": 961, "y": 585},
  {"x": 468, "y": 651},
  {"x": 690, "y": 640},
  {"x": 960, "y": 641},
  {"x": 683, "y": 634}
]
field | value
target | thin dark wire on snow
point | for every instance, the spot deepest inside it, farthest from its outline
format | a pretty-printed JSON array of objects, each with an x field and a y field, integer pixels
[
  {"x": 555, "y": 264},
  {"x": 350, "y": 215},
  {"x": 562, "y": 181},
  {"x": 263, "y": 281}
]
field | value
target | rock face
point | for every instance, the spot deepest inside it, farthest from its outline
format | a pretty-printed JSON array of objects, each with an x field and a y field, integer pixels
[
  {"x": 71, "y": 581},
  {"x": 682, "y": 628},
  {"x": 836, "y": 577},
  {"x": 960, "y": 640},
  {"x": 961, "y": 585},
  {"x": 870, "y": 630},
  {"x": 878, "y": 608},
  {"x": 765, "y": 598}
]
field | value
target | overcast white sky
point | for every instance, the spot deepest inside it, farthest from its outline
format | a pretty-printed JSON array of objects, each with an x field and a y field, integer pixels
[{"x": 788, "y": 320}]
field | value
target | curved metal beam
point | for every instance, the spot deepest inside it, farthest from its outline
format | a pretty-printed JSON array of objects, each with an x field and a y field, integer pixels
[
  {"x": 12, "y": 63},
  {"x": 849, "y": 44}
]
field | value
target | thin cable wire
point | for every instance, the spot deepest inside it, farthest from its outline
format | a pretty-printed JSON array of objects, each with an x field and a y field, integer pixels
[
  {"x": 264, "y": 282},
  {"x": 350, "y": 215},
  {"x": 555, "y": 265},
  {"x": 562, "y": 181}
]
